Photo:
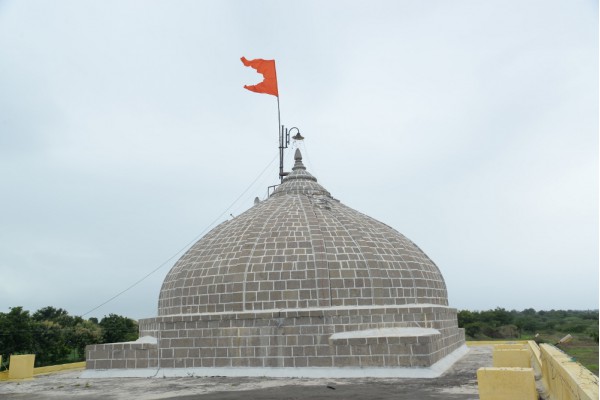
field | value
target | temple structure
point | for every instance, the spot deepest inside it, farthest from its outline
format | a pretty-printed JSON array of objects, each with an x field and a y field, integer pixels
[{"x": 299, "y": 282}]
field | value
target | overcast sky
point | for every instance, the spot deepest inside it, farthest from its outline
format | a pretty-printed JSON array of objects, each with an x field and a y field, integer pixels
[{"x": 469, "y": 126}]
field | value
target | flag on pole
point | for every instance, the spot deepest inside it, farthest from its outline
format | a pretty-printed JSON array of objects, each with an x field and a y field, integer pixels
[{"x": 267, "y": 69}]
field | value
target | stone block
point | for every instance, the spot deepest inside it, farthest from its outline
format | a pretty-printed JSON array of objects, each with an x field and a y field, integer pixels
[
  {"x": 399, "y": 349},
  {"x": 345, "y": 361},
  {"x": 238, "y": 362},
  {"x": 310, "y": 351},
  {"x": 179, "y": 363},
  {"x": 379, "y": 349},
  {"x": 180, "y": 353},
  {"x": 99, "y": 354},
  {"x": 358, "y": 350},
  {"x": 320, "y": 361},
  {"x": 103, "y": 364},
  {"x": 300, "y": 362},
  {"x": 141, "y": 353},
  {"x": 273, "y": 362},
  {"x": 207, "y": 362},
  {"x": 221, "y": 352},
  {"x": 371, "y": 361},
  {"x": 419, "y": 360},
  {"x": 298, "y": 351},
  {"x": 421, "y": 349},
  {"x": 222, "y": 362},
  {"x": 342, "y": 350},
  {"x": 305, "y": 340},
  {"x": 255, "y": 362}
]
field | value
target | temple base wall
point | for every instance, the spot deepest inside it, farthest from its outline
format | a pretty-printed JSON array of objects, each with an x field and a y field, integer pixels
[{"x": 320, "y": 337}]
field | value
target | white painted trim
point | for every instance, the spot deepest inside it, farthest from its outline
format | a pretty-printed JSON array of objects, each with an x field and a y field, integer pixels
[
  {"x": 385, "y": 332},
  {"x": 307, "y": 309}
]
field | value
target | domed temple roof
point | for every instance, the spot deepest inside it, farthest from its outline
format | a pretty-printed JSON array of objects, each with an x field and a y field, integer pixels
[
  {"x": 300, "y": 248},
  {"x": 299, "y": 281}
]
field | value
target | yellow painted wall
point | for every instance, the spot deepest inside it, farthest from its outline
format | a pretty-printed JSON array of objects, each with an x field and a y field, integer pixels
[
  {"x": 21, "y": 366},
  {"x": 510, "y": 346},
  {"x": 4, "y": 375},
  {"x": 494, "y": 342},
  {"x": 506, "y": 384},
  {"x": 561, "y": 377},
  {"x": 56, "y": 368},
  {"x": 535, "y": 360},
  {"x": 564, "y": 378},
  {"x": 511, "y": 357}
]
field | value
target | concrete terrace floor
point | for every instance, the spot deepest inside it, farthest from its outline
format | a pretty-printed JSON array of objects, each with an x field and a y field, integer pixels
[{"x": 458, "y": 383}]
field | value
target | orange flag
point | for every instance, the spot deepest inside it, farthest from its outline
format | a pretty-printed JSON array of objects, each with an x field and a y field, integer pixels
[{"x": 267, "y": 69}]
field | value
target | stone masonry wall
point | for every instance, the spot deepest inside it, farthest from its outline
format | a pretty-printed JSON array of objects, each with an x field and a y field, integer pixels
[
  {"x": 290, "y": 338},
  {"x": 122, "y": 355}
]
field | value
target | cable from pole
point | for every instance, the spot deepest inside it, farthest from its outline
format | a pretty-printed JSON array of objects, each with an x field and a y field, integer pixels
[{"x": 185, "y": 247}]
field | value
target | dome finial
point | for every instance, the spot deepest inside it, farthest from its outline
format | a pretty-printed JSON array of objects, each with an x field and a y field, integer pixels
[{"x": 298, "y": 164}]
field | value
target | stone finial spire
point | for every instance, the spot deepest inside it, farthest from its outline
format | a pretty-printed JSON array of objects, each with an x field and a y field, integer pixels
[
  {"x": 300, "y": 181},
  {"x": 298, "y": 164}
]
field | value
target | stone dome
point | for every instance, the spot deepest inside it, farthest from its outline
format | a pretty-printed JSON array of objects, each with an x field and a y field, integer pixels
[
  {"x": 299, "y": 285},
  {"x": 300, "y": 248}
]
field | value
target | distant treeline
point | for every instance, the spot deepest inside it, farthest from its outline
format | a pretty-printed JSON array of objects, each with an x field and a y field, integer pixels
[
  {"x": 503, "y": 324},
  {"x": 56, "y": 337}
]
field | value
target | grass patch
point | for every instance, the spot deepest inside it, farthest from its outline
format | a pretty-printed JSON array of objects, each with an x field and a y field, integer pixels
[{"x": 584, "y": 351}]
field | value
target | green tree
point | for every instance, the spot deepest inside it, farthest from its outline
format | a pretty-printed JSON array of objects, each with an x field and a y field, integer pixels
[
  {"x": 56, "y": 337},
  {"x": 527, "y": 323},
  {"x": 50, "y": 314},
  {"x": 501, "y": 317},
  {"x": 16, "y": 332},
  {"x": 83, "y": 334},
  {"x": 51, "y": 345},
  {"x": 593, "y": 333},
  {"x": 508, "y": 332},
  {"x": 473, "y": 329},
  {"x": 466, "y": 317},
  {"x": 116, "y": 328}
]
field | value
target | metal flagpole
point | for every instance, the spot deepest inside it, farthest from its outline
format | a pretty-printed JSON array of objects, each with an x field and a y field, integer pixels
[
  {"x": 282, "y": 142},
  {"x": 269, "y": 86}
]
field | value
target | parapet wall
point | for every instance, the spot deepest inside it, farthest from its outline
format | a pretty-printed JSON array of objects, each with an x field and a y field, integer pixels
[
  {"x": 564, "y": 378},
  {"x": 517, "y": 365}
]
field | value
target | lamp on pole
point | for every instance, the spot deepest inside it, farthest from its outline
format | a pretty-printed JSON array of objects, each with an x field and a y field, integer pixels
[{"x": 284, "y": 141}]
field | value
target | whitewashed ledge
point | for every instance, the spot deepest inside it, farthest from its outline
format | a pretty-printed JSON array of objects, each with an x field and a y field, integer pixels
[{"x": 385, "y": 332}]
